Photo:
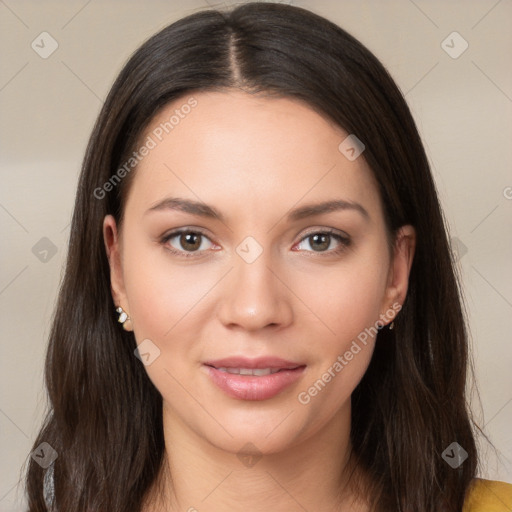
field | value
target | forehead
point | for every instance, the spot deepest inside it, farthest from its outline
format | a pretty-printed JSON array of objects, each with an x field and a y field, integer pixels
[{"x": 252, "y": 151}]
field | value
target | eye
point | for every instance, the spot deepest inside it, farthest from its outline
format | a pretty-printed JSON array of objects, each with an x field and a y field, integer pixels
[
  {"x": 191, "y": 243},
  {"x": 321, "y": 241},
  {"x": 185, "y": 242}
]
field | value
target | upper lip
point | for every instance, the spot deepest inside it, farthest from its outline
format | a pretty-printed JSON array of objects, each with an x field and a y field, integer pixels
[{"x": 254, "y": 363}]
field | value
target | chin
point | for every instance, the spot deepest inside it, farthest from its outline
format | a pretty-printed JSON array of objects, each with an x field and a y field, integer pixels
[{"x": 270, "y": 431}]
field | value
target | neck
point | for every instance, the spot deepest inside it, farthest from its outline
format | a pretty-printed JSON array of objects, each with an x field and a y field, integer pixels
[{"x": 310, "y": 475}]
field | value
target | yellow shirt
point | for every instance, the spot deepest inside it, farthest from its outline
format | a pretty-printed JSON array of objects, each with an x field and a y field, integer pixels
[{"x": 489, "y": 496}]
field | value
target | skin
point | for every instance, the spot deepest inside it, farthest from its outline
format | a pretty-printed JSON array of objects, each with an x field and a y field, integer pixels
[{"x": 254, "y": 159}]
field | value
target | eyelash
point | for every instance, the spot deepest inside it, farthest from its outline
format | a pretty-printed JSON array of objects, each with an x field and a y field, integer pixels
[{"x": 342, "y": 239}]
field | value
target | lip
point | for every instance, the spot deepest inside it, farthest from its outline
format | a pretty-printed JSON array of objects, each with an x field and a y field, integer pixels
[{"x": 249, "y": 387}]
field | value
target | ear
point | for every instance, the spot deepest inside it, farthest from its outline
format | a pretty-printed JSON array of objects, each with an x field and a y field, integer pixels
[
  {"x": 113, "y": 247},
  {"x": 398, "y": 277}
]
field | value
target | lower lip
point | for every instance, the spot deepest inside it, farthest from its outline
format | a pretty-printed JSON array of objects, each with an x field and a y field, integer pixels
[{"x": 250, "y": 387}]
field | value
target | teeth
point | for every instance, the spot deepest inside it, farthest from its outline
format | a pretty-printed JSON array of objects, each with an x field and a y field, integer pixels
[{"x": 259, "y": 372}]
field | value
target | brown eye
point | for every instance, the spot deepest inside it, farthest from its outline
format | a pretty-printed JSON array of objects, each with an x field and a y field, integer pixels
[
  {"x": 322, "y": 242},
  {"x": 186, "y": 242}
]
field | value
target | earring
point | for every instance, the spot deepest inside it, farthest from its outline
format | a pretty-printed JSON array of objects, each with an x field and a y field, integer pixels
[
  {"x": 123, "y": 319},
  {"x": 391, "y": 326}
]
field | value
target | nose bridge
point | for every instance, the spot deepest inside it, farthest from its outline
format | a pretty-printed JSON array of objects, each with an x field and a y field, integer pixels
[{"x": 255, "y": 297}]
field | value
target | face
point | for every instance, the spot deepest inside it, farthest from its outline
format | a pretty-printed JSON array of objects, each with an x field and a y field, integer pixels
[{"x": 251, "y": 304}]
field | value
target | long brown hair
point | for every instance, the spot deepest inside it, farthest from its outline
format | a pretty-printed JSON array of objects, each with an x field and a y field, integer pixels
[{"x": 105, "y": 415}]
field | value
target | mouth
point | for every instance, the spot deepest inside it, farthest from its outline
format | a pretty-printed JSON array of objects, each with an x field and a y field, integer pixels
[
  {"x": 253, "y": 379},
  {"x": 258, "y": 372}
]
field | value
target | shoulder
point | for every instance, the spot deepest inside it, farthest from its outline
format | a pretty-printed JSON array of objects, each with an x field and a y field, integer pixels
[{"x": 488, "y": 496}]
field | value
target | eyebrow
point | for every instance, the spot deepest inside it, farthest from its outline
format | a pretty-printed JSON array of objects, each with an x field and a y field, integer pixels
[{"x": 309, "y": 210}]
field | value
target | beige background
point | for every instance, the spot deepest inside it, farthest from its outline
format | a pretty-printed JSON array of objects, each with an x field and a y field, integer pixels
[{"x": 463, "y": 108}]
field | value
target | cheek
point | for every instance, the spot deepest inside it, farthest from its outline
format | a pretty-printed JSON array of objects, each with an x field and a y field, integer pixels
[
  {"x": 162, "y": 296},
  {"x": 347, "y": 298},
  {"x": 349, "y": 303},
  {"x": 167, "y": 304}
]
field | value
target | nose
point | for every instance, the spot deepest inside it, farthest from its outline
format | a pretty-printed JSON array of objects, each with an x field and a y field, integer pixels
[{"x": 254, "y": 296}]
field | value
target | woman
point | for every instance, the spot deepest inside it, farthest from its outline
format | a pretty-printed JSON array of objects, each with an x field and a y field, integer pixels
[{"x": 256, "y": 209}]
